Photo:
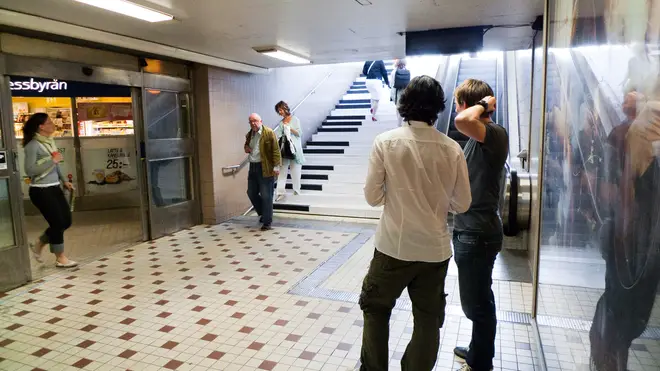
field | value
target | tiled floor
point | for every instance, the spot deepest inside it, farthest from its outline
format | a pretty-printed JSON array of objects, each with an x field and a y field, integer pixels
[
  {"x": 229, "y": 297},
  {"x": 92, "y": 235}
]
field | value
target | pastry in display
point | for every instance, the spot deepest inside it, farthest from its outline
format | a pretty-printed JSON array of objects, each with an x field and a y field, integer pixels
[{"x": 115, "y": 177}]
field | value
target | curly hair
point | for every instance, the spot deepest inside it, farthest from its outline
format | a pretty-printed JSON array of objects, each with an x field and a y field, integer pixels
[{"x": 422, "y": 100}]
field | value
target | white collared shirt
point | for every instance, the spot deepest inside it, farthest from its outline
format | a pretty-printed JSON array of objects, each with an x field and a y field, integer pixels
[
  {"x": 419, "y": 175},
  {"x": 255, "y": 155}
]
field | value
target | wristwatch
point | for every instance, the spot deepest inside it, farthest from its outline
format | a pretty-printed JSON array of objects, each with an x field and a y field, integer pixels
[{"x": 483, "y": 104}]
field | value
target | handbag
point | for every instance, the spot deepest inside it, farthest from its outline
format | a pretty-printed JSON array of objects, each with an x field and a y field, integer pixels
[{"x": 286, "y": 148}]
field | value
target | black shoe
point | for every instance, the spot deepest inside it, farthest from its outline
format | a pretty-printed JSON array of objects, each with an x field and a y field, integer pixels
[
  {"x": 266, "y": 227},
  {"x": 461, "y": 352}
]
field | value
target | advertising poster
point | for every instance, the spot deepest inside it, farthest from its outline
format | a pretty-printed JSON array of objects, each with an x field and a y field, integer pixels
[
  {"x": 109, "y": 170},
  {"x": 105, "y": 111}
]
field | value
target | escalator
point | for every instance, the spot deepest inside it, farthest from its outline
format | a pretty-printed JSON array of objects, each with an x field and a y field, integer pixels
[{"x": 484, "y": 69}]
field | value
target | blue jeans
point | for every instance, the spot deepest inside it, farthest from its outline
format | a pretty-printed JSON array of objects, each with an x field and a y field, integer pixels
[
  {"x": 475, "y": 255},
  {"x": 260, "y": 191}
]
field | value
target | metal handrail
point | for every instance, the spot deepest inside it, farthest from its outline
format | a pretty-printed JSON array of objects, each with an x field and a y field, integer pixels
[
  {"x": 458, "y": 72},
  {"x": 233, "y": 169}
]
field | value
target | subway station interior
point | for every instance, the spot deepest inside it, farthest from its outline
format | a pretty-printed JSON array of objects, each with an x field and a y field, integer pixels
[{"x": 151, "y": 98}]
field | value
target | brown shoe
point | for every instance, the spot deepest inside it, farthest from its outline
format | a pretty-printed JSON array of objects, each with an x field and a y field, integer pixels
[{"x": 266, "y": 227}]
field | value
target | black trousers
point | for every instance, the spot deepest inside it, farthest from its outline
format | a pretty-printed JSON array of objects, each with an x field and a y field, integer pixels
[{"x": 55, "y": 209}]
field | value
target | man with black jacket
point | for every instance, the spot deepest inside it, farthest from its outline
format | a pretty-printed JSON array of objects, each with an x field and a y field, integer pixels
[{"x": 376, "y": 73}]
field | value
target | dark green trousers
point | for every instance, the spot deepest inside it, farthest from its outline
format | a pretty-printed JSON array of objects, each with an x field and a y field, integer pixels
[{"x": 383, "y": 285}]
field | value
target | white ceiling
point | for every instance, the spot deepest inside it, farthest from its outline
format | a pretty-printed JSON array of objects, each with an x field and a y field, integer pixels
[{"x": 326, "y": 31}]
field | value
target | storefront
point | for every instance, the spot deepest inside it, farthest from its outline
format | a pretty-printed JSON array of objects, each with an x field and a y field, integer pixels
[
  {"x": 128, "y": 144},
  {"x": 95, "y": 133}
]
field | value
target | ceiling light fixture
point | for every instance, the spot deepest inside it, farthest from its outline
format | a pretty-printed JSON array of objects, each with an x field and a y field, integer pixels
[
  {"x": 130, "y": 9},
  {"x": 280, "y": 54}
]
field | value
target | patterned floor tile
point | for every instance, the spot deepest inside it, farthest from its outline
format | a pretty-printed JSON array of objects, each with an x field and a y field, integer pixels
[{"x": 222, "y": 298}]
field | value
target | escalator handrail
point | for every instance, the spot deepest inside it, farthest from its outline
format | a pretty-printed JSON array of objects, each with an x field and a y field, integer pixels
[
  {"x": 453, "y": 101},
  {"x": 511, "y": 227},
  {"x": 503, "y": 98}
]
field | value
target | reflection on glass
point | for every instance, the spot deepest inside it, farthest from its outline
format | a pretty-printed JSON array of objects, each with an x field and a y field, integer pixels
[
  {"x": 6, "y": 221},
  {"x": 166, "y": 115},
  {"x": 600, "y": 253},
  {"x": 170, "y": 181}
]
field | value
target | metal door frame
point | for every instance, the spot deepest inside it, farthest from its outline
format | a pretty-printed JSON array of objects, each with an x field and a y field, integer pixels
[
  {"x": 15, "y": 259},
  {"x": 184, "y": 148},
  {"x": 15, "y": 65}
]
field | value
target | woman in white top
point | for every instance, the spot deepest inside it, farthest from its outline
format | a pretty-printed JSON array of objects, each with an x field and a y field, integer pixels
[{"x": 292, "y": 130}]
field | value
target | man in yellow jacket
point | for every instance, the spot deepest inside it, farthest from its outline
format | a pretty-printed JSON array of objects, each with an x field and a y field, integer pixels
[{"x": 265, "y": 160}]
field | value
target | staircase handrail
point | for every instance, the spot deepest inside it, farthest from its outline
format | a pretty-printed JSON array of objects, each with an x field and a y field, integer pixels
[{"x": 233, "y": 169}]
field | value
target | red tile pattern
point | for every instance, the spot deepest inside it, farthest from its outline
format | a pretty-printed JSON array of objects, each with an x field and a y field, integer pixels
[{"x": 183, "y": 307}]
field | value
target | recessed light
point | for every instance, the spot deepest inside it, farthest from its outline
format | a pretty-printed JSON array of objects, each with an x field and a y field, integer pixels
[
  {"x": 278, "y": 53},
  {"x": 130, "y": 9}
]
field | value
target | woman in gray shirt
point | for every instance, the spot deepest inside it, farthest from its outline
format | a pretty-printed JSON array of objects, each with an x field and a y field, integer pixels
[{"x": 42, "y": 160}]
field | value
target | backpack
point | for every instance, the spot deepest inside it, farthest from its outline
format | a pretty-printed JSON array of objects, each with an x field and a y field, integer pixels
[{"x": 401, "y": 79}]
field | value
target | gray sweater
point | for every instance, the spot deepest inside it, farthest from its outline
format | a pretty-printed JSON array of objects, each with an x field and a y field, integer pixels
[{"x": 38, "y": 161}]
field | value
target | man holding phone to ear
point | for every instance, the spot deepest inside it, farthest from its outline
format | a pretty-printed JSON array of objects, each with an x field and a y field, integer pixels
[{"x": 478, "y": 235}]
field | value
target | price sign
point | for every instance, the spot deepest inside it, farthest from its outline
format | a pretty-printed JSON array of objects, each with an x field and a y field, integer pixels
[{"x": 109, "y": 170}]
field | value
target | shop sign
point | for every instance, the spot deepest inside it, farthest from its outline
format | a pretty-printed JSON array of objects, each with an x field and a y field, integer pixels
[
  {"x": 109, "y": 170},
  {"x": 105, "y": 111},
  {"x": 38, "y": 87}
]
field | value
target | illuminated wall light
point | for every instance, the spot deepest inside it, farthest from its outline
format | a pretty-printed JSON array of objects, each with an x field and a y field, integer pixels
[
  {"x": 284, "y": 56},
  {"x": 129, "y": 9}
]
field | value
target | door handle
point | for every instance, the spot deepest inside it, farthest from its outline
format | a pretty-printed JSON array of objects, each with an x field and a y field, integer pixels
[
  {"x": 14, "y": 160},
  {"x": 143, "y": 150}
]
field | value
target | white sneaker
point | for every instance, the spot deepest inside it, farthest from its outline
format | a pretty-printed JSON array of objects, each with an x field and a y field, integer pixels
[
  {"x": 279, "y": 198},
  {"x": 68, "y": 264}
]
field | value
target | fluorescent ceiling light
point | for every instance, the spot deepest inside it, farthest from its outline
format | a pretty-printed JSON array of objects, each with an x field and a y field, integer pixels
[
  {"x": 284, "y": 56},
  {"x": 130, "y": 9}
]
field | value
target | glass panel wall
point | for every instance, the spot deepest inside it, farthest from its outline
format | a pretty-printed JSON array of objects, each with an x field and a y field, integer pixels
[{"x": 600, "y": 231}]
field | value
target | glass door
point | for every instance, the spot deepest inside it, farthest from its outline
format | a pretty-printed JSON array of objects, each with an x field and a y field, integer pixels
[
  {"x": 14, "y": 257},
  {"x": 170, "y": 149}
]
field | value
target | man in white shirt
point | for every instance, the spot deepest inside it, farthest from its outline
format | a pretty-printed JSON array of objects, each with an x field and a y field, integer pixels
[{"x": 419, "y": 175}]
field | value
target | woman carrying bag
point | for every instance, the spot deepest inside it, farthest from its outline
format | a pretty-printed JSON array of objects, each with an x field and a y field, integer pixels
[
  {"x": 42, "y": 160},
  {"x": 288, "y": 134}
]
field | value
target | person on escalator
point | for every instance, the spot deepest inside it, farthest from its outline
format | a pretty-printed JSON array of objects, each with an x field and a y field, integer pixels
[
  {"x": 478, "y": 233},
  {"x": 376, "y": 74},
  {"x": 630, "y": 235}
]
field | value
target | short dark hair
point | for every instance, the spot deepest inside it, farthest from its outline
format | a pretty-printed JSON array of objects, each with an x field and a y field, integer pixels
[
  {"x": 422, "y": 100},
  {"x": 283, "y": 105},
  {"x": 472, "y": 91}
]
